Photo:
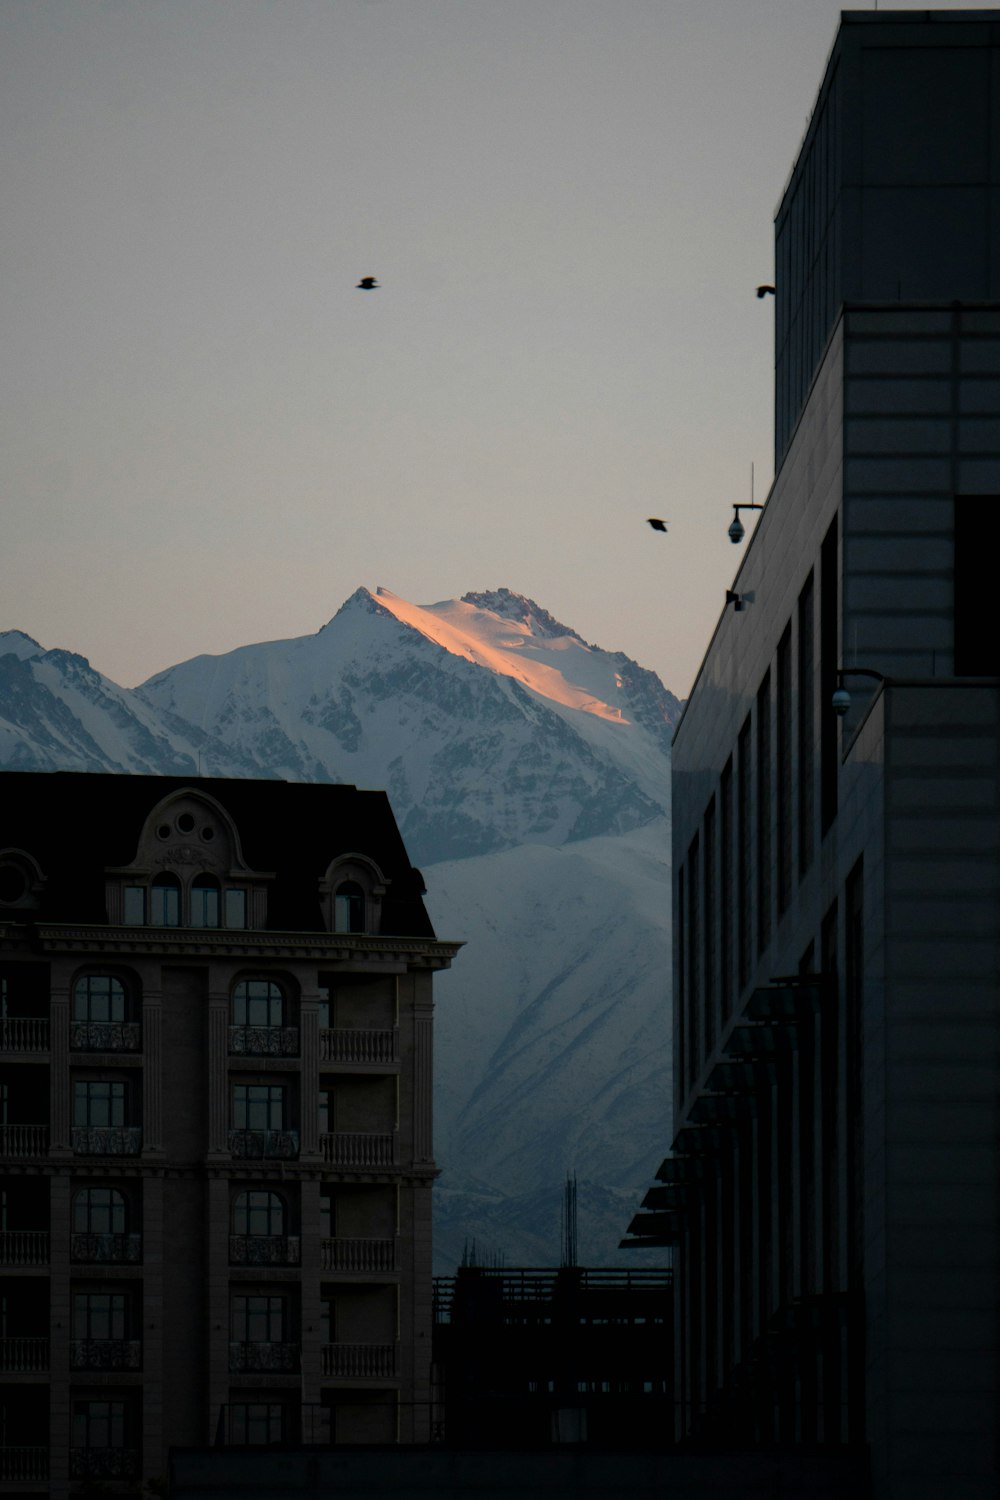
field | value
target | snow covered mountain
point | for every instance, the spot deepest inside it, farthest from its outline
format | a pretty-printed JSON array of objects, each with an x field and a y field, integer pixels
[
  {"x": 529, "y": 774},
  {"x": 488, "y": 723}
]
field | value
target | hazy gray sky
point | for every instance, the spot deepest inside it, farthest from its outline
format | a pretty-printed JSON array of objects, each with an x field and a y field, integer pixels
[{"x": 209, "y": 437}]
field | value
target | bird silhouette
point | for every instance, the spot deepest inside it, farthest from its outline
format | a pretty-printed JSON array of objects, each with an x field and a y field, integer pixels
[
  {"x": 367, "y": 284},
  {"x": 765, "y": 291},
  {"x": 656, "y": 523}
]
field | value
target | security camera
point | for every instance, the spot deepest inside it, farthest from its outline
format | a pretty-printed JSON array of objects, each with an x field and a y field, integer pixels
[
  {"x": 841, "y": 702},
  {"x": 737, "y": 531}
]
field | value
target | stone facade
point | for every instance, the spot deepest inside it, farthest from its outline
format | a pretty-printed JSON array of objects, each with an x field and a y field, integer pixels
[{"x": 215, "y": 1055}]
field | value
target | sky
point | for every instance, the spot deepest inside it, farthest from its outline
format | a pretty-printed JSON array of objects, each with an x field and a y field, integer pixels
[{"x": 209, "y": 436}]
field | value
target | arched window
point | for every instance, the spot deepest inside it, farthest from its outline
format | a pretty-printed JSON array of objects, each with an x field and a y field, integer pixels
[
  {"x": 258, "y": 1002},
  {"x": 99, "y": 997},
  {"x": 165, "y": 901},
  {"x": 99, "y": 1210},
  {"x": 259, "y": 1212},
  {"x": 205, "y": 902},
  {"x": 349, "y": 908}
]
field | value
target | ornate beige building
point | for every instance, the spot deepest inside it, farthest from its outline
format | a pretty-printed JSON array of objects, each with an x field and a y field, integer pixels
[{"x": 215, "y": 1123}]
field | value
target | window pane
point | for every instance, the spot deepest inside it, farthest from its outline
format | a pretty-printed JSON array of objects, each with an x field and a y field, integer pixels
[
  {"x": 258, "y": 1002},
  {"x": 259, "y": 1213},
  {"x": 256, "y": 1424},
  {"x": 98, "y": 1103},
  {"x": 99, "y": 1211},
  {"x": 135, "y": 906},
  {"x": 99, "y": 1424},
  {"x": 205, "y": 903},
  {"x": 98, "y": 997},
  {"x": 236, "y": 908},
  {"x": 165, "y": 902},
  {"x": 349, "y": 908},
  {"x": 259, "y": 1106}
]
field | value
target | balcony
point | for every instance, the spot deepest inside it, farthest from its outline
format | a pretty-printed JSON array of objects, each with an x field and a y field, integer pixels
[
  {"x": 358, "y": 1255},
  {"x": 358, "y": 1361},
  {"x": 103, "y": 1463},
  {"x": 24, "y": 1356},
  {"x": 344, "y": 1044},
  {"x": 24, "y": 1034},
  {"x": 264, "y": 1250},
  {"x": 264, "y": 1041},
  {"x": 87, "y": 1248},
  {"x": 24, "y": 1247},
  {"x": 252, "y": 1358},
  {"x": 105, "y": 1036},
  {"x": 24, "y": 1140},
  {"x": 105, "y": 1354},
  {"x": 24, "y": 1463},
  {"x": 106, "y": 1140},
  {"x": 257, "y": 1145},
  {"x": 358, "y": 1149}
]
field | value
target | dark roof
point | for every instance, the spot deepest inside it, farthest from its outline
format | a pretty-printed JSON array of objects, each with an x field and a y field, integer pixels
[{"x": 77, "y": 824}]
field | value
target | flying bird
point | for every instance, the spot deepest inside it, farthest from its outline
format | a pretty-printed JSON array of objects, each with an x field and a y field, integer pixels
[
  {"x": 656, "y": 523},
  {"x": 367, "y": 284},
  {"x": 765, "y": 291}
]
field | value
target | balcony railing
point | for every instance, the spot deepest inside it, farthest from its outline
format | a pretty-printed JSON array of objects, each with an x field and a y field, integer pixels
[
  {"x": 107, "y": 1140},
  {"x": 24, "y": 1356},
  {"x": 24, "y": 1034},
  {"x": 282, "y": 1145},
  {"x": 359, "y": 1149},
  {"x": 24, "y": 1247},
  {"x": 103, "y": 1463},
  {"x": 24, "y": 1140},
  {"x": 358, "y": 1255},
  {"x": 105, "y": 1354},
  {"x": 359, "y": 1361},
  {"x": 264, "y": 1250},
  {"x": 24, "y": 1463},
  {"x": 350, "y": 1044},
  {"x": 251, "y": 1357},
  {"x": 105, "y": 1036},
  {"x": 88, "y": 1248},
  {"x": 264, "y": 1041}
]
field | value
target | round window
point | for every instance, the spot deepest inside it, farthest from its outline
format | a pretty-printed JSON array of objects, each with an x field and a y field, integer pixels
[
  {"x": 163, "y": 832},
  {"x": 208, "y": 834},
  {"x": 185, "y": 822},
  {"x": 13, "y": 884}
]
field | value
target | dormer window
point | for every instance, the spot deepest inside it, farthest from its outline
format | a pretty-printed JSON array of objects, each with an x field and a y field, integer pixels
[
  {"x": 351, "y": 895},
  {"x": 188, "y": 870},
  {"x": 349, "y": 908},
  {"x": 20, "y": 879}
]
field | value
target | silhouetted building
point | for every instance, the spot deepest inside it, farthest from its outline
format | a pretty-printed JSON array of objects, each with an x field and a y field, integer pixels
[
  {"x": 832, "y": 1191},
  {"x": 533, "y": 1358},
  {"x": 215, "y": 1082}
]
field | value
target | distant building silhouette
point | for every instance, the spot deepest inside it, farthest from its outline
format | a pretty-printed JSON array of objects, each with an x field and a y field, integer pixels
[
  {"x": 215, "y": 1141},
  {"x": 832, "y": 1189},
  {"x": 534, "y": 1358}
]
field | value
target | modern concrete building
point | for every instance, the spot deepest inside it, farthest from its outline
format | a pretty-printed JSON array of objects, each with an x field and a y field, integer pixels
[
  {"x": 833, "y": 1191},
  {"x": 215, "y": 1142}
]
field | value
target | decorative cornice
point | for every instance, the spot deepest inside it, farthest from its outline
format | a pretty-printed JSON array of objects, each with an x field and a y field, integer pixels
[{"x": 218, "y": 942}]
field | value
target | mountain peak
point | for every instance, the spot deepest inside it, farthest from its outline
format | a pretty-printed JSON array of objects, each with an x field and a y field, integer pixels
[
  {"x": 17, "y": 643},
  {"x": 511, "y": 606},
  {"x": 363, "y": 600}
]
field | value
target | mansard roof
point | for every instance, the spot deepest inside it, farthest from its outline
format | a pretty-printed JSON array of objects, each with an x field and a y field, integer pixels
[{"x": 78, "y": 825}]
